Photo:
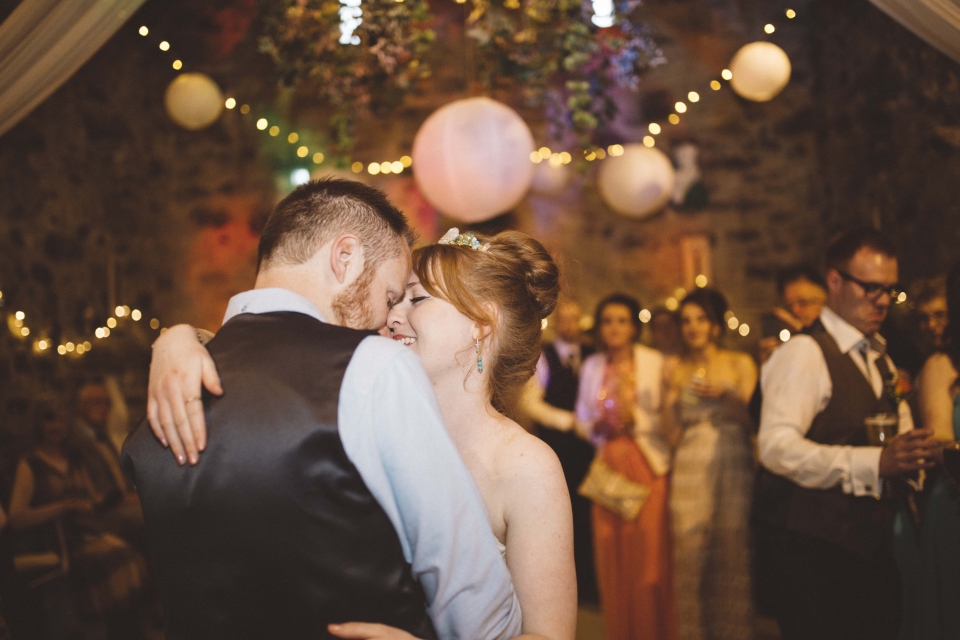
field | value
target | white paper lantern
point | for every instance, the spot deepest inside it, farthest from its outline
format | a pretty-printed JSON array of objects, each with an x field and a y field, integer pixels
[
  {"x": 193, "y": 101},
  {"x": 760, "y": 71},
  {"x": 637, "y": 183},
  {"x": 550, "y": 180},
  {"x": 471, "y": 159}
]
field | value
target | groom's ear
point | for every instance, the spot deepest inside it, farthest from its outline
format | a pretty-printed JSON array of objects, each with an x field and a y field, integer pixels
[{"x": 345, "y": 253}]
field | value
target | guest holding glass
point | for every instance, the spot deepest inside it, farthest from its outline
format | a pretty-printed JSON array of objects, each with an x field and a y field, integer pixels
[
  {"x": 619, "y": 401},
  {"x": 824, "y": 506},
  {"x": 706, "y": 390},
  {"x": 930, "y": 561}
]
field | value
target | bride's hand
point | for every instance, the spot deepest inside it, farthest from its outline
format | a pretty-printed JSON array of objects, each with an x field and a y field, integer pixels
[
  {"x": 180, "y": 365},
  {"x": 368, "y": 631}
]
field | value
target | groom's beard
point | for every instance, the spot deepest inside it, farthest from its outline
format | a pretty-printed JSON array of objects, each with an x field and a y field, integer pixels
[{"x": 351, "y": 308}]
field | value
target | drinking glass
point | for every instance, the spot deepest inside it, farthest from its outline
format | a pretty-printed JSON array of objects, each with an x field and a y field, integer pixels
[
  {"x": 951, "y": 459},
  {"x": 881, "y": 428}
]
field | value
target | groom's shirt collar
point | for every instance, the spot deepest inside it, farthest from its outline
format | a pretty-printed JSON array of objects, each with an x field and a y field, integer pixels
[{"x": 268, "y": 300}]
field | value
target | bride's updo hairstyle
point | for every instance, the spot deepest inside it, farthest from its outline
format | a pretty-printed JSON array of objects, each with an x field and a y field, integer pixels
[{"x": 510, "y": 287}]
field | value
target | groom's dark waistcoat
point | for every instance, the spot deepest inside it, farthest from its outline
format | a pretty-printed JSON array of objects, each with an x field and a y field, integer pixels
[{"x": 274, "y": 533}]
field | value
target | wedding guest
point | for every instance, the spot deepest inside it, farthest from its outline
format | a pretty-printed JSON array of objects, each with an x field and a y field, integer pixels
[
  {"x": 802, "y": 292},
  {"x": 705, "y": 408},
  {"x": 930, "y": 306},
  {"x": 619, "y": 401},
  {"x": 5, "y": 574},
  {"x": 52, "y": 485},
  {"x": 549, "y": 399},
  {"x": 823, "y": 508},
  {"x": 120, "y": 513},
  {"x": 664, "y": 331},
  {"x": 930, "y": 554}
]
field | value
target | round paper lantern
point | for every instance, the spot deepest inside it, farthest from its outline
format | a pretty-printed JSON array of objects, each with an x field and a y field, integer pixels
[
  {"x": 760, "y": 71},
  {"x": 471, "y": 159},
  {"x": 637, "y": 183},
  {"x": 550, "y": 180},
  {"x": 193, "y": 101}
]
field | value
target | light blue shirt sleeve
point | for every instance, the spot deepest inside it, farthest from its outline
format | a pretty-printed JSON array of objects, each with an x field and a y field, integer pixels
[{"x": 391, "y": 429}]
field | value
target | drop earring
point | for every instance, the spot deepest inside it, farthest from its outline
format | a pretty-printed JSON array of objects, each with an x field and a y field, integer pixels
[{"x": 479, "y": 358}]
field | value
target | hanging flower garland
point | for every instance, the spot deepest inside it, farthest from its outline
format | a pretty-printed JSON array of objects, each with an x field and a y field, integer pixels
[
  {"x": 359, "y": 56},
  {"x": 562, "y": 55},
  {"x": 565, "y": 55}
]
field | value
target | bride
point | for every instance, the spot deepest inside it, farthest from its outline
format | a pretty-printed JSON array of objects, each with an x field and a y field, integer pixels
[{"x": 472, "y": 313}]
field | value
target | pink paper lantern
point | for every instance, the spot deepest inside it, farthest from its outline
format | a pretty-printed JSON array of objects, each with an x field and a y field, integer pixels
[{"x": 471, "y": 159}]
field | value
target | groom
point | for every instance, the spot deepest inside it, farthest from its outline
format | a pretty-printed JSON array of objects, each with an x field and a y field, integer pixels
[{"x": 329, "y": 490}]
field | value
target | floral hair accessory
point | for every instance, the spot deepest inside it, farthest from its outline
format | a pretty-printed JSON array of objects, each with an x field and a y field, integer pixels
[{"x": 453, "y": 236}]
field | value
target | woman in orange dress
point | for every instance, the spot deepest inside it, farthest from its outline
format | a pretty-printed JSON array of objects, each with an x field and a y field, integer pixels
[{"x": 618, "y": 406}]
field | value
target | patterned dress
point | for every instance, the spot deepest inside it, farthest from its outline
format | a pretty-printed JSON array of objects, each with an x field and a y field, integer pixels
[{"x": 710, "y": 491}]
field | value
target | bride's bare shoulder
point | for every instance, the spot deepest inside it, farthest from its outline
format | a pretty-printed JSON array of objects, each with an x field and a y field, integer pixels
[{"x": 525, "y": 456}]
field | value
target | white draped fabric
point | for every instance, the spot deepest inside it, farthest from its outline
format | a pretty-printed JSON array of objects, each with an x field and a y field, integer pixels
[
  {"x": 44, "y": 42},
  {"x": 936, "y": 21}
]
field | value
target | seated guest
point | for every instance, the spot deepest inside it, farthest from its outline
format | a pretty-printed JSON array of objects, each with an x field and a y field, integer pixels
[
  {"x": 706, "y": 390},
  {"x": 549, "y": 399},
  {"x": 53, "y": 485},
  {"x": 930, "y": 554},
  {"x": 823, "y": 509}
]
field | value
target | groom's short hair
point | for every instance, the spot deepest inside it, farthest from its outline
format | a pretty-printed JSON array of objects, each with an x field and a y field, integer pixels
[{"x": 320, "y": 210}]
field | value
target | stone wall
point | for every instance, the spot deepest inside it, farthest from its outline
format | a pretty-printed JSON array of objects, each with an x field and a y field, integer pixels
[{"x": 105, "y": 201}]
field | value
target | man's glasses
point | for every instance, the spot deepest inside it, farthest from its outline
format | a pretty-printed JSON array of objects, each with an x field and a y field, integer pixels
[{"x": 872, "y": 290}]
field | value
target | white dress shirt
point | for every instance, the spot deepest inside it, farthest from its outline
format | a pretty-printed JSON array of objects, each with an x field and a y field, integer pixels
[
  {"x": 648, "y": 368},
  {"x": 796, "y": 388},
  {"x": 392, "y": 431}
]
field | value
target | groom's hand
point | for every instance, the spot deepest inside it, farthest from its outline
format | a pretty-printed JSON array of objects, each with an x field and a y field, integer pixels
[
  {"x": 180, "y": 367},
  {"x": 368, "y": 631}
]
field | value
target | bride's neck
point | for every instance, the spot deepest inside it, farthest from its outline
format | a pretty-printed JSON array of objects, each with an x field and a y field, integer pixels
[{"x": 462, "y": 404}]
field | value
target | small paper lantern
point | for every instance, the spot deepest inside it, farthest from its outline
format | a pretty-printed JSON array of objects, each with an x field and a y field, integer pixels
[
  {"x": 637, "y": 183},
  {"x": 760, "y": 71},
  {"x": 471, "y": 159},
  {"x": 193, "y": 101},
  {"x": 550, "y": 180}
]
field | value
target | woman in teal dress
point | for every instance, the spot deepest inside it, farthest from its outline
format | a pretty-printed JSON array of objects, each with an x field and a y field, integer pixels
[{"x": 929, "y": 555}]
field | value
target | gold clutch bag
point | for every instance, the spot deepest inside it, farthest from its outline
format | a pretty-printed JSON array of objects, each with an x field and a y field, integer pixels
[{"x": 614, "y": 491}]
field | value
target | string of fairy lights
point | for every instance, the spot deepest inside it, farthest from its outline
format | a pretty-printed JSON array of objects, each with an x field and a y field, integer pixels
[
  {"x": 693, "y": 97},
  {"x": 17, "y": 324},
  {"x": 389, "y": 166},
  {"x": 544, "y": 153}
]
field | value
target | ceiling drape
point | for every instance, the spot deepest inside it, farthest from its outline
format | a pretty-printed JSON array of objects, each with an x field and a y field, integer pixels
[
  {"x": 936, "y": 21},
  {"x": 44, "y": 42}
]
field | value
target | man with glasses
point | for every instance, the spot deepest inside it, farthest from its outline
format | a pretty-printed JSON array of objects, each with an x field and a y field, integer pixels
[{"x": 823, "y": 510}]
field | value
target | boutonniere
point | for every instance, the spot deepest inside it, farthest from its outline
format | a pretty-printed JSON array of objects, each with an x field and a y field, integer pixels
[{"x": 898, "y": 389}]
